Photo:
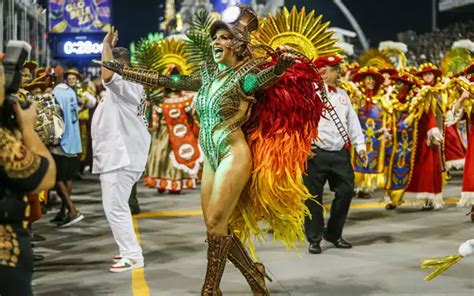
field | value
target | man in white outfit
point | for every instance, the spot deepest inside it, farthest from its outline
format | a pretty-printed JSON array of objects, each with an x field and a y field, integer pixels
[{"x": 120, "y": 143}]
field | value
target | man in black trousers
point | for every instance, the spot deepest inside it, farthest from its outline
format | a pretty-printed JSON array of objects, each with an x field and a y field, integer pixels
[{"x": 332, "y": 162}]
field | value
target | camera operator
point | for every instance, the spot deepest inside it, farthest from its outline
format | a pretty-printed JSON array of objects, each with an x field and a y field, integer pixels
[{"x": 22, "y": 171}]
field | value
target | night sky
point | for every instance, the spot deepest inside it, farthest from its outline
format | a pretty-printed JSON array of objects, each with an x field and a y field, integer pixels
[{"x": 380, "y": 19}]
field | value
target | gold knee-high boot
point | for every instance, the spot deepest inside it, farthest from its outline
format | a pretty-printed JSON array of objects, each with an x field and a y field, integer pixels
[
  {"x": 217, "y": 252},
  {"x": 253, "y": 272}
]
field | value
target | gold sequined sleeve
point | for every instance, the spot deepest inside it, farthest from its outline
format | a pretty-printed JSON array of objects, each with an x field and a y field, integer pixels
[
  {"x": 20, "y": 168},
  {"x": 154, "y": 79}
]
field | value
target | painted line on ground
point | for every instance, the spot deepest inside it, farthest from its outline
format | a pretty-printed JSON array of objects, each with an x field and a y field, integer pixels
[
  {"x": 188, "y": 213},
  {"x": 139, "y": 283}
]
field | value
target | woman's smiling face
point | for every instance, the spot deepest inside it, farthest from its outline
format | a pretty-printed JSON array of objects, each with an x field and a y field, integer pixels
[{"x": 221, "y": 48}]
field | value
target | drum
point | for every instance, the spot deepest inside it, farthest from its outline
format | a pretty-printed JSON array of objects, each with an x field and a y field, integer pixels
[{"x": 49, "y": 125}]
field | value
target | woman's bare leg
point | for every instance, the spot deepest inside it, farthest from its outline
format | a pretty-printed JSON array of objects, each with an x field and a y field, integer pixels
[
  {"x": 207, "y": 181},
  {"x": 230, "y": 179}
]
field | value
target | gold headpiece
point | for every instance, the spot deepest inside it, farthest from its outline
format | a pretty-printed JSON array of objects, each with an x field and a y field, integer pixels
[
  {"x": 298, "y": 30},
  {"x": 375, "y": 58},
  {"x": 163, "y": 54}
]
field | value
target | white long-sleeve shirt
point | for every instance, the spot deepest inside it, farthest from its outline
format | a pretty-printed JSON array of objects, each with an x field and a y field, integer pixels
[
  {"x": 120, "y": 138},
  {"x": 329, "y": 138}
]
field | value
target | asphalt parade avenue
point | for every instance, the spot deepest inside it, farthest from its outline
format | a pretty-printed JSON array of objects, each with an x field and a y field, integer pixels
[{"x": 388, "y": 246}]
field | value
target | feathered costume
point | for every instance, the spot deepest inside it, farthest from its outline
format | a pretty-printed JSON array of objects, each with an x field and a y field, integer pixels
[
  {"x": 281, "y": 125},
  {"x": 280, "y": 130},
  {"x": 276, "y": 107}
]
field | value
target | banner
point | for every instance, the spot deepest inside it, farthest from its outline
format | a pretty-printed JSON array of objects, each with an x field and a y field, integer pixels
[{"x": 79, "y": 16}]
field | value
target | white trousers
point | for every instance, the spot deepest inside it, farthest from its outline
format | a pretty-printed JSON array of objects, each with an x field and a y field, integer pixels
[{"x": 116, "y": 188}]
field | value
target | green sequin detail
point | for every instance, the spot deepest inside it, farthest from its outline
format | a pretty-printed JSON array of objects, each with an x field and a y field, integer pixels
[
  {"x": 250, "y": 83},
  {"x": 175, "y": 78}
]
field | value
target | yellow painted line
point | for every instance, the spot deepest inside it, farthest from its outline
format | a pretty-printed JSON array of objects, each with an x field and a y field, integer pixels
[
  {"x": 169, "y": 214},
  {"x": 139, "y": 284},
  {"x": 376, "y": 205},
  {"x": 188, "y": 213}
]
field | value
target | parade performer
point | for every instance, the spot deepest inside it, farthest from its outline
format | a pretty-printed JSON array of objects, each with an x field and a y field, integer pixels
[
  {"x": 252, "y": 115},
  {"x": 175, "y": 158},
  {"x": 463, "y": 109},
  {"x": 426, "y": 111},
  {"x": 455, "y": 60},
  {"x": 374, "y": 124},
  {"x": 399, "y": 168}
]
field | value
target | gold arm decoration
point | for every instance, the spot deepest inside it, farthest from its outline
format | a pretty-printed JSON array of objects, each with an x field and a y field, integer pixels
[
  {"x": 269, "y": 76},
  {"x": 112, "y": 65},
  {"x": 439, "y": 265},
  {"x": 152, "y": 78}
]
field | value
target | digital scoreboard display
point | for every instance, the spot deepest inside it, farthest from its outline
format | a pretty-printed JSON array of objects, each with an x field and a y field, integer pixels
[
  {"x": 79, "y": 16},
  {"x": 77, "y": 45}
]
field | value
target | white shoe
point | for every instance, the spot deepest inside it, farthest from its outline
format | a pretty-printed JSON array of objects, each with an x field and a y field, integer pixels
[
  {"x": 126, "y": 264},
  {"x": 117, "y": 258}
]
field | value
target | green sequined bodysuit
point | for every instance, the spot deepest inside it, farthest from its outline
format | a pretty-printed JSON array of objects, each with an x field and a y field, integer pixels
[{"x": 216, "y": 109}]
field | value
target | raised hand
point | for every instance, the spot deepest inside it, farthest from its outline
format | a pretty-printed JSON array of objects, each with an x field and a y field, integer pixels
[
  {"x": 111, "y": 38},
  {"x": 285, "y": 59}
]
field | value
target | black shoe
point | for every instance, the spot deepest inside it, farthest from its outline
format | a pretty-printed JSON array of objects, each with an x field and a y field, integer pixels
[
  {"x": 339, "y": 243},
  {"x": 390, "y": 206},
  {"x": 37, "y": 237},
  {"x": 315, "y": 248},
  {"x": 71, "y": 219},
  {"x": 363, "y": 195},
  {"x": 59, "y": 218}
]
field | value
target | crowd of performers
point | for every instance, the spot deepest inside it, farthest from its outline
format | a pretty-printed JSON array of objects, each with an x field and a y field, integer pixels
[
  {"x": 417, "y": 127},
  {"x": 240, "y": 114},
  {"x": 414, "y": 134}
]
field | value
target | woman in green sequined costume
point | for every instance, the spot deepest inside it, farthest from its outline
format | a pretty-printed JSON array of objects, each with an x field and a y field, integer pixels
[{"x": 223, "y": 103}]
